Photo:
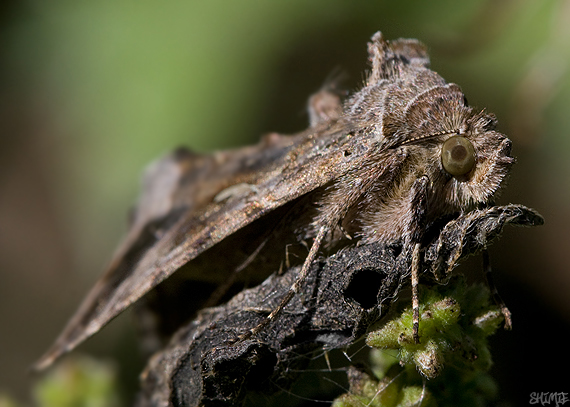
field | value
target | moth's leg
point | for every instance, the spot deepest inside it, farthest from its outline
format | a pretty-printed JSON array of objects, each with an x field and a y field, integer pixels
[
  {"x": 343, "y": 231},
  {"x": 287, "y": 262},
  {"x": 326, "y": 354},
  {"x": 496, "y": 297},
  {"x": 295, "y": 288},
  {"x": 414, "y": 237},
  {"x": 415, "y": 295},
  {"x": 289, "y": 254},
  {"x": 223, "y": 288}
]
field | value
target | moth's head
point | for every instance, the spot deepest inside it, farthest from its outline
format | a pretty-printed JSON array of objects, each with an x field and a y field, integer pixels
[
  {"x": 474, "y": 162},
  {"x": 468, "y": 159}
]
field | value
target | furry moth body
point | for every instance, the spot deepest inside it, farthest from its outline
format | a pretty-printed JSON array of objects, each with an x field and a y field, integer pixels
[{"x": 397, "y": 156}]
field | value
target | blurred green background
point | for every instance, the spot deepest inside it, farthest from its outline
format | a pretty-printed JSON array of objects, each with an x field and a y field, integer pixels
[{"x": 90, "y": 92}]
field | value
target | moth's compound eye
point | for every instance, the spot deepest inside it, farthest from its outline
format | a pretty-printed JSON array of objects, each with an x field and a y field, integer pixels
[{"x": 457, "y": 155}]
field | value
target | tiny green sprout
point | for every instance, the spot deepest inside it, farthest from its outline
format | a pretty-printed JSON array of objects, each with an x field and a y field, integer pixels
[{"x": 455, "y": 322}]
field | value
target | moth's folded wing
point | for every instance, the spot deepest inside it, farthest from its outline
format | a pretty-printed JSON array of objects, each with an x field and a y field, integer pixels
[
  {"x": 168, "y": 192},
  {"x": 277, "y": 171}
]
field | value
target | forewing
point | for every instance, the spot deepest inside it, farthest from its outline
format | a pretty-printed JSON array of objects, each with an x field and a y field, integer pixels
[{"x": 192, "y": 202}]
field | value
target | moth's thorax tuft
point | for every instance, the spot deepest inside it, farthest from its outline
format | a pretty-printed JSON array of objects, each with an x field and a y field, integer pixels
[{"x": 410, "y": 112}]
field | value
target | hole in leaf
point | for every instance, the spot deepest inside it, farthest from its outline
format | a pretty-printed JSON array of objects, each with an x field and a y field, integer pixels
[{"x": 364, "y": 288}]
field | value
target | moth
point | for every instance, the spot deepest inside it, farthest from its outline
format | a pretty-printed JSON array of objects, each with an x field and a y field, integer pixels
[{"x": 397, "y": 156}]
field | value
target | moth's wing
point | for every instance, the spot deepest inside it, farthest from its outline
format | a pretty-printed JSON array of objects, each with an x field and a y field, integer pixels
[
  {"x": 180, "y": 217},
  {"x": 189, "y": 206}
]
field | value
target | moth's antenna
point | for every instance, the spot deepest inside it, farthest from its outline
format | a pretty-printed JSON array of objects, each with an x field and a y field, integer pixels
[{"x": 438, "y": 134}]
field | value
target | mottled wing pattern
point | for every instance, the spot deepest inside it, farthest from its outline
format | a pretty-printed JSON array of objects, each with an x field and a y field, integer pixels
[{"x": 183, "y": 211}]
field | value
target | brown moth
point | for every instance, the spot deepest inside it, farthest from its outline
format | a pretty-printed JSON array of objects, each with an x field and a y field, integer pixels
[{"x": 401, "y": 153}]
